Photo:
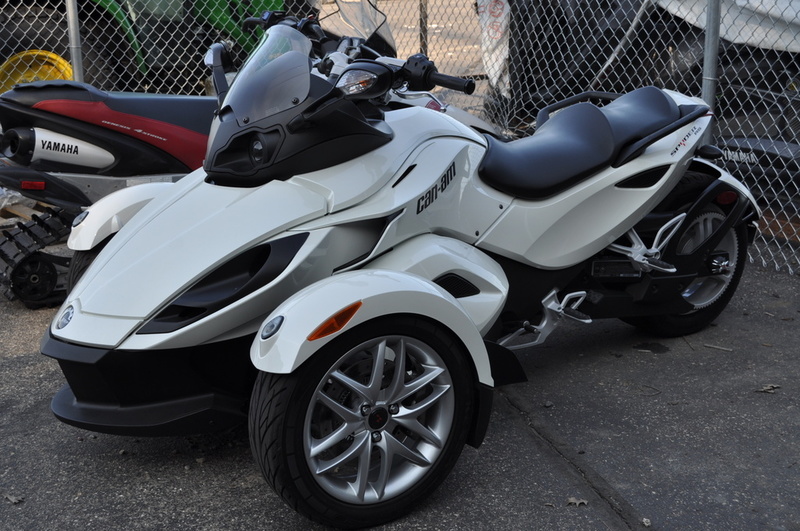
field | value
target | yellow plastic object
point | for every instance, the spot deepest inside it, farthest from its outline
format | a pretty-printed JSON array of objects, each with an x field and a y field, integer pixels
[{"x": 33, "y": 65}]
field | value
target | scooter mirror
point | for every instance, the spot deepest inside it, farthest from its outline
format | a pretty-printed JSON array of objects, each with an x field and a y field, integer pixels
[{"x": 217, "y": 58}]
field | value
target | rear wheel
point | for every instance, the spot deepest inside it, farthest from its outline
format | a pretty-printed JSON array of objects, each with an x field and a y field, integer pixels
[
  {"x": 34, "y": 46},
  {"x": 362, "y": 432},
  {"x": 708, "y": 294}
]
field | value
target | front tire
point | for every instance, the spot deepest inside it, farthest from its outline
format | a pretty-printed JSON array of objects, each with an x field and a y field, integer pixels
[
  {"x": 80, "y": 262},
  {"x": 367, "y": 428}
]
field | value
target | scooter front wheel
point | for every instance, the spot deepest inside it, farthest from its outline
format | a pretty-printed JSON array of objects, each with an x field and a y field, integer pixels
[{"x": 368, "y": 427}]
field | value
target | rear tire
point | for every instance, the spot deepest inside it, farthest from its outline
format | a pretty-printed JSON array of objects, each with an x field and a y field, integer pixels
[
  {"x": 708, "y": 294},
  {"x": 349, "y": 444}
]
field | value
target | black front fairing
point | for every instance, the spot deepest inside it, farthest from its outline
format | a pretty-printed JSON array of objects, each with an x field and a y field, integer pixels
[{"x": 279, "y": 120}]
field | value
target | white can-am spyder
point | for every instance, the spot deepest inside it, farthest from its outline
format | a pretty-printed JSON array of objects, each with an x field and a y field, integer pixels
[{"x": 361, "y": 273}]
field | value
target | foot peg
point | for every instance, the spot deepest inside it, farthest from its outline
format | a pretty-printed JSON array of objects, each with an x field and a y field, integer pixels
[
  {"x": 660, "y": 265},
  {"x": 578, "y": 315},
  {"x": 569, "y": 306},
  {"x": 646, "y": 258},
  {"x": 554, "y": 311}
]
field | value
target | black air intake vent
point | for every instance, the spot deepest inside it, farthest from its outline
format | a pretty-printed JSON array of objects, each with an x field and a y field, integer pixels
[{"x": 457, "y": 286}]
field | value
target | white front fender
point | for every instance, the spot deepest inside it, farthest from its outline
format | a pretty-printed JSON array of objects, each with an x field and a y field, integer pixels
[
  {"x": 381, "y": 293},
  {"x": 110, "y": 213}
]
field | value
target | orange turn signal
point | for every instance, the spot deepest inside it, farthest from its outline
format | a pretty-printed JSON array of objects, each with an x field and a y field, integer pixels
[{"x": 335, "y": 323}]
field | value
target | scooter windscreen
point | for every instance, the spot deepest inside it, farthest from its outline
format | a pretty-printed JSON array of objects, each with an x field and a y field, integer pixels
[
  {"x": 363, "y": 19},
  {"x": 273, "y": 79},
  {"x": 267, "y": 128}
]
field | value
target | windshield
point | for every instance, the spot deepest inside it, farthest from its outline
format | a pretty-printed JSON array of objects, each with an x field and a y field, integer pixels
[
  {"x": 274, "y": 78},
  {"x": 355, "y": 18}
]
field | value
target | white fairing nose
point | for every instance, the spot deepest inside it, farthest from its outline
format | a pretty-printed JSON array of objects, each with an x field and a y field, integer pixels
[{"x": 163, "y": 251}]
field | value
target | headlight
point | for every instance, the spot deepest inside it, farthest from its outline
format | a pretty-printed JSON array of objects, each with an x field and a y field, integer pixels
[
  {"x": 257, "y": 151},
  {"x": 79, "y": 218},
  {"x": 271, "y": 328}
]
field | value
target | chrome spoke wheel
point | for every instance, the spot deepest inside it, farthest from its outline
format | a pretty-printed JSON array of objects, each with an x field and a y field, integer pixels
[
  {"x": 369, "y": 425},
  {"x": 379, "y": 419}
]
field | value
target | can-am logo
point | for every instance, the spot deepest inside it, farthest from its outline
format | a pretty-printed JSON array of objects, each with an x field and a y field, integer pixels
[
  {"x": 433, "y": 194},
  {"x": 739, "y": 156},
  {"x": 60, "y": 147}
]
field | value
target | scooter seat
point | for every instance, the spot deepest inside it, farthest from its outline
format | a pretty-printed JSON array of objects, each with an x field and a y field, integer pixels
[
  {"x": 574, "y": 144},
  {"x": 189, "y": 112}
]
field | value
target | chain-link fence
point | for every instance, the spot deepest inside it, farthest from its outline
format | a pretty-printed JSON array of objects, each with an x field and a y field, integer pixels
[
  {"x": 133, "y": 45},
  {"x": 524, "y": 54}
]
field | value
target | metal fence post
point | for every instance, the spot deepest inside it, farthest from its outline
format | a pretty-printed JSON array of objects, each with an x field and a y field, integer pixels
[
  {"x": 423, "y": 27},
  {"x": 75, "y": 54},
  {"x": 710, "y": 58}
]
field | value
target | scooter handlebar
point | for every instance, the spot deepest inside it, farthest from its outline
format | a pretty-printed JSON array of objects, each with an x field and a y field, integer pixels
[
  {"x": 421, "y": 74},
  {"x": 467, "y": 86}
]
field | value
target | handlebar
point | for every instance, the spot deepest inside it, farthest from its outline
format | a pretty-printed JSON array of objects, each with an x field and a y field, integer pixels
[
  {"x": 467, "y": 86},
  {"x": 421, "y": 74}
]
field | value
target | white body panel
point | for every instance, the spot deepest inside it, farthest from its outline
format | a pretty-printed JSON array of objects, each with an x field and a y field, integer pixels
[
  {"x": 350, "y": 183},
  {"x": 110, "y": 213},
  {"x": 434, "y": 190},
  {"x": 423, "y": 186},
  {"x": 432, "y": 257},
  {"x": 570, "y": 227},
  {"x": 381, "y": 293},
  {"x": 110, "y": 301},
  {"x": 166, "y": 232}
]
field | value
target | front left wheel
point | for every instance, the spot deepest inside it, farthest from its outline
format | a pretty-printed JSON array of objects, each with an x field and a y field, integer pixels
[{"x": 368, "y": 427}]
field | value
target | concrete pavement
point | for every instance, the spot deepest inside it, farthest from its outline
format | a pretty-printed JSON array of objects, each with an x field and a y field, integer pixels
[{"x": 614, "y": 430}]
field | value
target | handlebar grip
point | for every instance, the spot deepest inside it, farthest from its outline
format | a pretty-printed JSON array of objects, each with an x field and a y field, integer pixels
[{"x": 467, "y": 86}]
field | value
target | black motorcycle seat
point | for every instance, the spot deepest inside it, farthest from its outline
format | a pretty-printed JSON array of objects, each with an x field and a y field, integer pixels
[
  {"x": 190, "y": 112},
  {"x": 574, "y": 144}
]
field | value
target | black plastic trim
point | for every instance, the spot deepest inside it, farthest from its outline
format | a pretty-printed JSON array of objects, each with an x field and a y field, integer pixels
[
  {"x": 456, "y": 285},
  {"x": 645, "y": 179},
  {"x": 200, "y": 389},
  {"x": 233, "y": 280},
  {"x": 692, "y": 113},
  {"x": 506, "y": 368},
  {"x": 484, "y": 397}
]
